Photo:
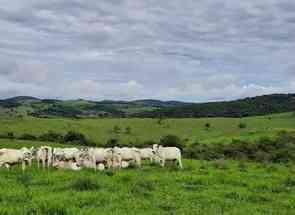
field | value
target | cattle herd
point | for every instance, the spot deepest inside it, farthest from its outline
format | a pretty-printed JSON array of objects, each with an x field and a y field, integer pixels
[{"x": 96, "y": 158}]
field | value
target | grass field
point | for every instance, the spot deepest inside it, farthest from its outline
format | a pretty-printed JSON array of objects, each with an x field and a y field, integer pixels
[
  {"x": 201, "y": 188},
  {"x": 100, "y": 130}
]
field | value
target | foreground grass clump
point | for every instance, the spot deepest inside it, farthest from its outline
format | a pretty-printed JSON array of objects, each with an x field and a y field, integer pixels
[
  {"x": 201, "y": 188},
  {"x": 85, "y": 184}
]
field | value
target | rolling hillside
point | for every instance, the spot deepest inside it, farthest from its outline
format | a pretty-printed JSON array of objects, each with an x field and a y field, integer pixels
[{"x": 47, "y": 108}]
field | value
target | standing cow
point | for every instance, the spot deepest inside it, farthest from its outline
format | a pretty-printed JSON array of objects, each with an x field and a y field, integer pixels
[
  {"x": 10, "y": 157},
  {"x": 127, "y": 154},
  {"x": 163, "y": 154},
  {"x": 66, "y": 154},
  {"x": 91, "y": 157},
  {"x": 45, "y": 155},
  {"x": 147, "y": 154}
]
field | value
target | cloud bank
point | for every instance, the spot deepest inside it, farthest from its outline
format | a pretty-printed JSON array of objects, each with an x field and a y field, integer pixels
[{"x": 124, "y": 49}]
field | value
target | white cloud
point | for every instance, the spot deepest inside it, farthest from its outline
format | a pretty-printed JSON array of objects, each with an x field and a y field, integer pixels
[
  {"x": 29, "y": 72},
  {"x": 186, "y": 50}
]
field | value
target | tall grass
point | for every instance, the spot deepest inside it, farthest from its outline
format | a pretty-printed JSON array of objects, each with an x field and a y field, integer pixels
[{"x": 201, "y": 188}]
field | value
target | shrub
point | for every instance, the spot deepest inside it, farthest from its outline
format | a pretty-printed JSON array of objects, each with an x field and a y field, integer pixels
[
  {"x": 148, "y": 143},
  {"x": 51, "y": 136},
  {"x": 112, "y": 143},
  {"x": 8, "y": 135},
  {"x": 128, "y": 130},
  {"x": 75, "y": 137},
  {"x": 27, "y": 137},
  {"x": 116, "y": 129},
  {"x": 278, "y": 150},
  {"x": 242, "y": 125},
  {"x": 171, "y": 140},
  {"x": 207, "y": 125}
]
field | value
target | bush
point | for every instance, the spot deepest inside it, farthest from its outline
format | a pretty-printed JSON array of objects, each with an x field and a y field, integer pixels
[
  {"x": 171, "y": 141},
  {"x": 77, "y": 138},
  {"x": 116, "y": 129},
  {"x": 242, "y": 125},
  {"x": 207, "y": 125},
  {"x": 112, "y": 143},
  {"x": 28, "y": 137},
  {"x": 51, "y": 136},
  {"x": 128, "y": 130},
  {"x": 148, "y": 143},
  {"x": 8, "y": 135},
  {"x": 278, "y": 150}
]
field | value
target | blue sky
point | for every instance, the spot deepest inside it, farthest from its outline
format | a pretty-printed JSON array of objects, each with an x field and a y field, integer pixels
[{"x": 187, "y": 50}]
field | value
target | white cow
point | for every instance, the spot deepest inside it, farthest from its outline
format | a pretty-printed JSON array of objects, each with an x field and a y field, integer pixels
[
  {"x": 45, "y": 155},
  {"x": 10, "y": 157},
  {"x": 125, "y": 164},
  {"x": 66, "y": 165},
  {"x": 91, "y": 157},
  {"x": 127, "y": 154},
  {"x": 101, "y": 167},
  {"x": 66, "y": 154},
  {"x": 147, "y": 154},
  {"x": 164, "y": 154}
]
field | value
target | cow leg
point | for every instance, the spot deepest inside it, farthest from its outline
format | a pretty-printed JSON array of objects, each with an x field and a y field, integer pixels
[
  {"x": 48, "y": 163},
  {"x": 23, "y": 165},
  {"x": 43, "y": 163},
  {"x": 138, "y": 161},
  {"x": 180, "y": 163},
  {"x": 109, "y": 163},
  {"x": 7, "y": 166},
  {"x": 162, "y": 162},
  {"x": 94, "y": 163}
]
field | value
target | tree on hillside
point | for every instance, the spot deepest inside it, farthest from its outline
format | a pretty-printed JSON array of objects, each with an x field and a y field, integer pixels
[
  {"x": 116, "y": 129},
  {"x": 242, "y": 125},
  {"x": 128, "y": 130},
  {"x": 171, "y": 140}
]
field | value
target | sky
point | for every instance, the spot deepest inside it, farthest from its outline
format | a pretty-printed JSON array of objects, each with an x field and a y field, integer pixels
[{"x": 187, "y": 50}]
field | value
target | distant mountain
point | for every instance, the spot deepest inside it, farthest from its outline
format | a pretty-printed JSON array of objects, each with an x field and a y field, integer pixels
[
  {"x": 30, "y": 106},
  {"x": 158, "y": 103},
  {"x": 260, "y": 105}
]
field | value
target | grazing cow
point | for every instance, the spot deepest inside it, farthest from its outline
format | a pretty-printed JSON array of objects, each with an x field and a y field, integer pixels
[
  {"x": 10, "y": 157},
  {"x": 66, "y": 154},
  {"x": 163, "y": 154},
  {"x": 45, "y": 155},
  {"x": 127, "y": 154},
  {"x": 147, "y": 154},
  {"x": 91, "y": 157},
  {"x": 66, "y": 165}
]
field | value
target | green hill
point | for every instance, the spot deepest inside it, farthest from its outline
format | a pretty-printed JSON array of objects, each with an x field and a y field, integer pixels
[{"x": 47, "y": 108}]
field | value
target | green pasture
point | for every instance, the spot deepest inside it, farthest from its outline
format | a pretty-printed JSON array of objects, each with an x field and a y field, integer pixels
[
  {"x": 220, "y": 187},
  {"x": 101, "y": 130}
]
